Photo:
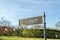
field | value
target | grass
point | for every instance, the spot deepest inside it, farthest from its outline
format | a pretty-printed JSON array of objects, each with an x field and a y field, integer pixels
[{"x": 20, "y": 38}]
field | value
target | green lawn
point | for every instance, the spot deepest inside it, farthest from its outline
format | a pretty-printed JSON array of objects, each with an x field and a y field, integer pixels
[{"x": 20, "y": 38}]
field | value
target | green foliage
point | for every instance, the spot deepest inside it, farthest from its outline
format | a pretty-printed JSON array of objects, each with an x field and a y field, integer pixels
[
  {"x": 32, "y": 32},
  {"x": 40, "y": 33}
]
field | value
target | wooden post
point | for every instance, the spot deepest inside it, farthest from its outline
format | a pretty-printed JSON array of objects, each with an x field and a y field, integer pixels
[{"x": 44, "y": 27}]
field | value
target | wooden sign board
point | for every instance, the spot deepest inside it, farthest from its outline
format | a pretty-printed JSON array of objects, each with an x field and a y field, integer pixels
[{"x": 31, "y": 21}]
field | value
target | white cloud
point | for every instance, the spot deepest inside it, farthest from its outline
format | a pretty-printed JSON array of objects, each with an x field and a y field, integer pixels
[
  {"x": 30, "y": 1},
  {"x": 25, "y": 10},
  {"x": 40, "y": 1}
]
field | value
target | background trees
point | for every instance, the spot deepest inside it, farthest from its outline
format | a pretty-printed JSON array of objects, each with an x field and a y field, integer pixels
[
  {"x": 4, "y": 22},
  {"x": 57, "y": 24}
]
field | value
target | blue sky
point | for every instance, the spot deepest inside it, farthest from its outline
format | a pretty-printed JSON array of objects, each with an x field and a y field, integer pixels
[{"x": 13, "y": 10}]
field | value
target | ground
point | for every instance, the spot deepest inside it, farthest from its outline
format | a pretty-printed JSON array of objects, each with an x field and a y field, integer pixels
[{"x": 20, "y": 38}]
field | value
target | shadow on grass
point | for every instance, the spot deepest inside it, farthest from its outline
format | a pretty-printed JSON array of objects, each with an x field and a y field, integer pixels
[{"x": 1, "y": 39}]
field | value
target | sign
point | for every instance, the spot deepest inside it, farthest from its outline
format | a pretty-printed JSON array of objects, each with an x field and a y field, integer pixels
[{"x": 31, "y": 21}]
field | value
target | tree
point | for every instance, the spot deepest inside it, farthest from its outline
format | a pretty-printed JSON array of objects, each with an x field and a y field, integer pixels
[
  {"x": 4, "y": 22},
  {"x": 58, "y": 24}
]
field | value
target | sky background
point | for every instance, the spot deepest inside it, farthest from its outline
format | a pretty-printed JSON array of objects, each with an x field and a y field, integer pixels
[{"x": 13, "y": 10}]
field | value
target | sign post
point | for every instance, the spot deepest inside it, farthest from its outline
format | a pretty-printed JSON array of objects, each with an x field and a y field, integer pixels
[
  {"x": 44, "y": 26},
  {"x": 33, "y": 21}
]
